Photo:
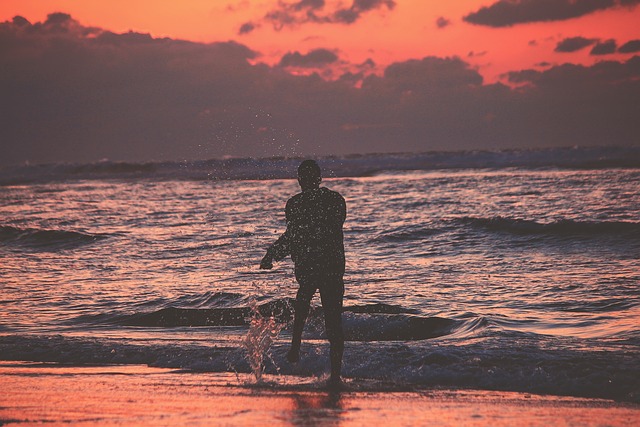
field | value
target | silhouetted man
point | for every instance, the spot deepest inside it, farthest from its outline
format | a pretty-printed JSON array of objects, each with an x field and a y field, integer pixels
[{"x": 315, "y": 242}]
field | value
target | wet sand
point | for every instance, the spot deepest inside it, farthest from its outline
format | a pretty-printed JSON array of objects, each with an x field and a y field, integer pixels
[{"x": 139, "y": 395}]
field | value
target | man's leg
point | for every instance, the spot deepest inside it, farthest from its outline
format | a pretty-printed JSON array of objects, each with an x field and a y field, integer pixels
[
  {"x": 332, "y": 293},
  {"x": 302, "y": 304}
]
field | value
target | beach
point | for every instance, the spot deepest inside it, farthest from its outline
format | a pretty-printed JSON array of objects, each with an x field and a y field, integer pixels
[{"x": 35, "y": 393}]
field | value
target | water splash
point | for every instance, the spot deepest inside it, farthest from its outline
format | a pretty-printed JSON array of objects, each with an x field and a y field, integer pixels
[{"x": 261, "y": 335}]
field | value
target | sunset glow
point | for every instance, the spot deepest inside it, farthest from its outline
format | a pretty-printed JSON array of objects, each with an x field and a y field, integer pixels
[{"x": 384, "y": 34}]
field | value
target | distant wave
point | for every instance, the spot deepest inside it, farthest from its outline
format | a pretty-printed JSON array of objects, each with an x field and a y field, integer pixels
[
  {"x": 515, "y": 226},
  {"x": 336, "y": 166},
  {"x": 406, "y": 233},
  {"x": 41, "y": 239},
  {"x": 565, "y": 227},
  {"x": 112, "y": 168}
]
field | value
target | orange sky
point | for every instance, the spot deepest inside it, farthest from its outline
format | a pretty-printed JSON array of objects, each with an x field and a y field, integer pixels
[{"x": 407, "y": 31}]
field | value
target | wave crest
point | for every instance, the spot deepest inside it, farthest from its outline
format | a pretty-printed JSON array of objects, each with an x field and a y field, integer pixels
[
  {"x": 42, "y": 239},
  {"x": 373, "y": 322},
  {"x": 565, "y": 227}
]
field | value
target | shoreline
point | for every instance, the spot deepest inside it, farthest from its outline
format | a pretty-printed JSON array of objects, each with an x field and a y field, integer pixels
[{"x": 137, "y": 394}]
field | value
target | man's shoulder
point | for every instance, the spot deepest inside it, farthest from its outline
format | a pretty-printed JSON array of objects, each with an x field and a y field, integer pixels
[
  {"x": 332, "y": 193},
  {"x": 322, "y": 195},
  {"x": 294, "y": 201},
  {"x": 295, "y": 198}
]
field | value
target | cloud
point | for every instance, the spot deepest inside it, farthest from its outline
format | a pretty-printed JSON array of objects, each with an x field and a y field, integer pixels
[
  {"x": 589, "y": 105},
  {"x": 315, "y": 58},
  {"x": 474, "y": 54},
  {"x": 442, "y": 22},
  {"x": 361, "y": 6},
  {"x": 76, "y": 94},
  {"x": 631, "y": 46},
  {"x": 430, "y": 73},
  {"x": 505, "y": 13},
  {"x": 572, "y": 44},
  {"x": 247, "y": 27},
  {"x": 606, "y": 47},
  {"x": 353, "y": 13},
  {"x": 316, "y": 11},
  {"x": 607, "y": 72}
]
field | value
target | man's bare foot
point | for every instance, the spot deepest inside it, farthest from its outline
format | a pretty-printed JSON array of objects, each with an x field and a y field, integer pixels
[{"x": 293, "y": 356}]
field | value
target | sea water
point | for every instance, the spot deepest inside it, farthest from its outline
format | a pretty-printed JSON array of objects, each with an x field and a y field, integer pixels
[{"x": 519, "y": 277}]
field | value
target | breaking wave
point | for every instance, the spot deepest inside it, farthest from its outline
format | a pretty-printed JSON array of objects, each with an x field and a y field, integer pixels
[
  {"x": 512, "y": 362},
  {"x": 374, "y": 322}
]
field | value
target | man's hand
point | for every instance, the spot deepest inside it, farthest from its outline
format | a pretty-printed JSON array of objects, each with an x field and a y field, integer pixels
[{"x": 266, "y": 263}]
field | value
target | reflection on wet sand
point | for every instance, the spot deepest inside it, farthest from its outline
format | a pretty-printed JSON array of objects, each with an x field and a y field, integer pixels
[
  {"x": 317, "y": 409},
  {"x": 139, "y": 395}
]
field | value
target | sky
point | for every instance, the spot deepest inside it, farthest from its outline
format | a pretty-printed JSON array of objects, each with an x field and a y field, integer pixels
[{"x": 83, "y": 81}]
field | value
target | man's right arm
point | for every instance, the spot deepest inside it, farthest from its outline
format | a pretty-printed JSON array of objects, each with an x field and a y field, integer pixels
[{"x": 281, "y": 248}]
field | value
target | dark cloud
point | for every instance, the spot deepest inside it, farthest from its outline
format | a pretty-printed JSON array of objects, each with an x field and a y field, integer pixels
[
  {"x": 353, "y": 13},
  {"x": 305, "y": 11},
  {"x": 442, "y": 22},
  {"x": 601, "y": 74},
  {"x": 590, "y": 105},
  {"x": 631, "y": 46},
  {"x": 368, "y": 64},
  {"x": 432, "y": 72},
  {"x": 606, "y": 47},
  {"x": 20, "y": 21},
  {"x": 572, "y": 44},
  {"x": 313, "y": 59},
  {"x": 76, "y": 94},
  {"x": 505, "y": 13},
  {"x": 247, "y": 27},
  {"x": 58, "y": 18},
  {"x": 473, "y": 54}
]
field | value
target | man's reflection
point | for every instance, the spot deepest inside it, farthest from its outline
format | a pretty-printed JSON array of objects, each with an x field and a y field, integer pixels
[{"x": 317, "y": 409}]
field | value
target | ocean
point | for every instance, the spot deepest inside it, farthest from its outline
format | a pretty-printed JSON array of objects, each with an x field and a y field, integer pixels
[{"x": 509, "y": 270}]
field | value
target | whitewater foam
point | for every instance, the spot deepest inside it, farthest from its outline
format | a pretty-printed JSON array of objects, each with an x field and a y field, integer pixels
[{"x": 511, "y": 361}]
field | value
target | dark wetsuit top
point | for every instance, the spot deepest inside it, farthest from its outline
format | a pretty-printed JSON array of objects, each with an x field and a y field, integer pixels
[{"x": 314, "y": 236}]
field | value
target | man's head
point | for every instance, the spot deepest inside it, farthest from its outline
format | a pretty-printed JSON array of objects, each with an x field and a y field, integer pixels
[{"x": 309, "y": 175}]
